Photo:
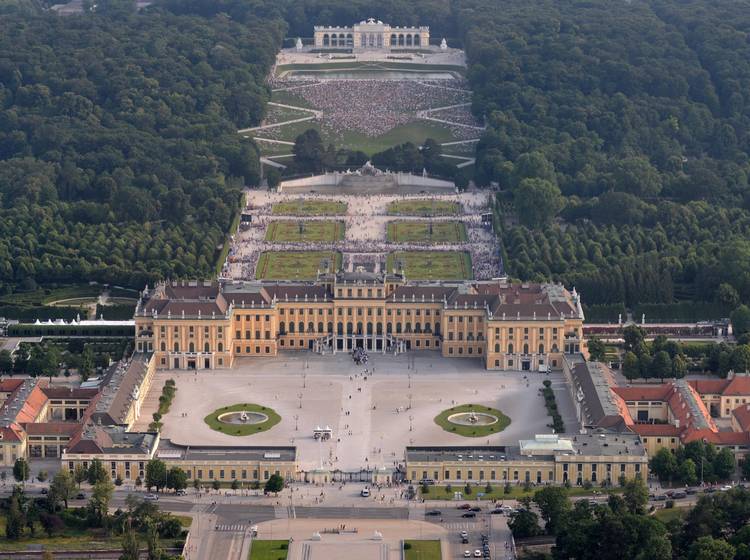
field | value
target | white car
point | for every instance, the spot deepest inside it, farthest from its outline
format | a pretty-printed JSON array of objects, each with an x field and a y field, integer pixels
[
  {"x": 725, "y": 488},
  {"x": 151, "y": 497},
  {"x": 477, "y": 553},
  {"x": 467, "y": 553},
  {"x": 463, "y": 534}
]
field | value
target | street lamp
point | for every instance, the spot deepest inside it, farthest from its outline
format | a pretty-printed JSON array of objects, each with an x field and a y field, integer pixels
[
  {"x": 296, "y": 417},
  {"x": 299, "y": 396},
  {"x": 411, "y": 425}
]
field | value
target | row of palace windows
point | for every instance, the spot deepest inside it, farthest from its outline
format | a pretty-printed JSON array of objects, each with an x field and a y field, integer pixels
[
  {"x": 232, "y": 474},
  {"x": 360, "y": 311},
  {"x": 469, "y": 336},
  {"x": 482, "y": 475},
  {"x": 266, "y": 334},
  {"x": 376, "y": 328},
  {"x": 510, "y": 331},
  {"x": 525, "y": 348},
  {"x": 191, "y": 331},
  {"x": 469, "y": 350},
  {"x": 191, "y": 347}
]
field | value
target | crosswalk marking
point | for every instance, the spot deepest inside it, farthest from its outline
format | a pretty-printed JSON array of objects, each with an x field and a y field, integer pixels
[
  {"x": 466, "y": 526},
  {"x": 232, "y": 528}
]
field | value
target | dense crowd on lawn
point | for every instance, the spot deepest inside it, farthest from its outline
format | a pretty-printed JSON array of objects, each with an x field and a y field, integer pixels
[{"x": 373, "y": 107}]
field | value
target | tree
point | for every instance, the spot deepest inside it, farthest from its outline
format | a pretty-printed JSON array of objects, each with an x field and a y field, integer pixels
[
  {"x": 156, "y": 474},
  {"x": 726, "y": 294},
  {"x": 14, "y": 520},
  {"x": 553, "y": 505},
  {"x": 61, "y": 489},
  {"x": 708, "y": 548},
  {"x": 80, "y": 474},
  {"x": 740, "y": 318},
  {"x": 235, "y": 484},
  {"x": 6, "y": 362},
  {"x": 51, "y": 523},
  {"x": 176, "y": 479},
  {"x": 679, "y": 366},
  {"x": 215, "y": 485},
  {"x": 100, "y": 498},
  {"x": 636, "y": 496},
  {"x": 130, "y": 543},
  {"x": 661, "y": 365},
  {"x": 42, "y": 476},
  {"x": 87, "y": 363},
  {"x": 274, "y": 484},
  {"x": 155, "y": 551},
  {"x": 740, "y": 360},
  {"x": 524, "y": 523},
  {"x": 633, "y": 336},
  {"x": 309, "y": 151},
  {"x": 21, "y": 471},
  {"x": 723, "y": 464},
  {"x": 96, "y": 472},
  {"x": 631, "y": 366},
  {"x": 273, "y": 177},
  {"x": 196, "y": 483},
  {"x": 687, "y": 473},
  {"x": 597, "y": 349},
  {"x": 663, "y": 464},
  {"x": 537, "y": 202}
]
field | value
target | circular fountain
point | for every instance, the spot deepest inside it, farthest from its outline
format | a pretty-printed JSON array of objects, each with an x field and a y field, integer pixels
[
  {"x": 242, "y": 417},
  {"x": 473, "y": 418}
]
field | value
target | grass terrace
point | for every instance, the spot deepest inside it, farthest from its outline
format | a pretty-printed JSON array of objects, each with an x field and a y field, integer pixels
[
  {"x": 269, "y": 550},
  {"x": 443, "y": 420},
  {"x": 422, "y": 550},
  {"x": 426, "y": 232},
  {"x": 294, "y": 265},
  {"x": 291, "y": 231},
  {"x": 433, "y": 265},
  {"x": 425, "y": 207},
  {"x": 242, "y": 429},
  {"x": 302, "y": 207}
]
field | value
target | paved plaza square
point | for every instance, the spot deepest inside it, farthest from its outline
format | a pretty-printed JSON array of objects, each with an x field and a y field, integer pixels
[{"x": 371, "y": 418}]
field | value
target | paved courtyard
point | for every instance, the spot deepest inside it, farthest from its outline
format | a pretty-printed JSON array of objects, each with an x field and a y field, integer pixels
[{"x": 373, "y": 417}]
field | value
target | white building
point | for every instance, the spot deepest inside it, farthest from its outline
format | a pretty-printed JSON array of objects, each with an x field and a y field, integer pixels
[{"x": 371, "y": 34}]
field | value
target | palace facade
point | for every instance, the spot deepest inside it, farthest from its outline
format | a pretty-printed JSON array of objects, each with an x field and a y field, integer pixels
[
  {"x": 371, "y": 34},
  {"x": 192, "y": 325}
]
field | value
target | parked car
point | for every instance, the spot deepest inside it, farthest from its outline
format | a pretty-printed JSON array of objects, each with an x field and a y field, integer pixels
[
  {"x": 80, "y": 496},
  {"x": 467, "y": 553},
  {"x": 433, "y": 512},
  {"x": 679, "y": 494},
  {"x": 476, "y": 508},
  {"x": 464, "y": 506},
  {"x": 464, "y": 535},
  {"x": 182, "y": 492},
  {"x": 497, "y": 511},
  {"x": 477, "y": 553},
  {"x": 464, "y": 540},
  {"x": 151, "y": 497},
  {"x": 45, "y": 491},
  {"x": 725, "y": 488},
  {"x": 660, "y": 498},
  {"x": 469, "y": 514},
  {"x": 691, "y": 491}
]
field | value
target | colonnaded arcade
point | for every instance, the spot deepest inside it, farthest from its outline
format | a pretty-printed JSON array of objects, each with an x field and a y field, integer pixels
[{"x": 371, "y": 34}]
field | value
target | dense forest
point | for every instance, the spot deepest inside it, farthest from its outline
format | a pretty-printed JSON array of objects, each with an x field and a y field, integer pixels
[
  {"x": 618, "y": 136},
  {"x": 119, "y": 158},
  {"x": 632, "y": 119}
]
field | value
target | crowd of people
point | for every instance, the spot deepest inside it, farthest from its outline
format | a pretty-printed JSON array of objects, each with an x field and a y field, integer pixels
[
  {"x": 365, "y": 241},
  {"x": 373, "y": 107}
]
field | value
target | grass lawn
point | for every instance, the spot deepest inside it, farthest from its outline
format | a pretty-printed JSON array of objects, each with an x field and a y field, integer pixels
[
  {"x": 242, "y": 429},
  {"x": 268, "y": 550},
  {"x": 433, "y": 265},
  {"x": 498, "y": 491},
  {"x": 46, "y": 297},
  {"x": 475, "y": 430},
  {"x": 422, "y": 550},
  {"x": 419, "y": 232},
  {"x": 290, "y": 97},
  {"x": 304, "y": 207},
  {"x": 185, "y": 520},
  {"x": 424, "y": 207},
  {"x": 415, "y": 132},
  {"x": 294, "y": 265},
  {"x": 289, "y": 231}
]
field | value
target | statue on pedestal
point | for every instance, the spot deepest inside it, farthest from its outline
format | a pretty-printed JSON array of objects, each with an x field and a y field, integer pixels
[
  {"x": 298, "y": 44},
  {"x": 443, "y": 45}
]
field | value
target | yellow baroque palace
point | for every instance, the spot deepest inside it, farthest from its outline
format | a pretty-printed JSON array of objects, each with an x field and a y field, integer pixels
[{"x": 194, "y": 325}]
